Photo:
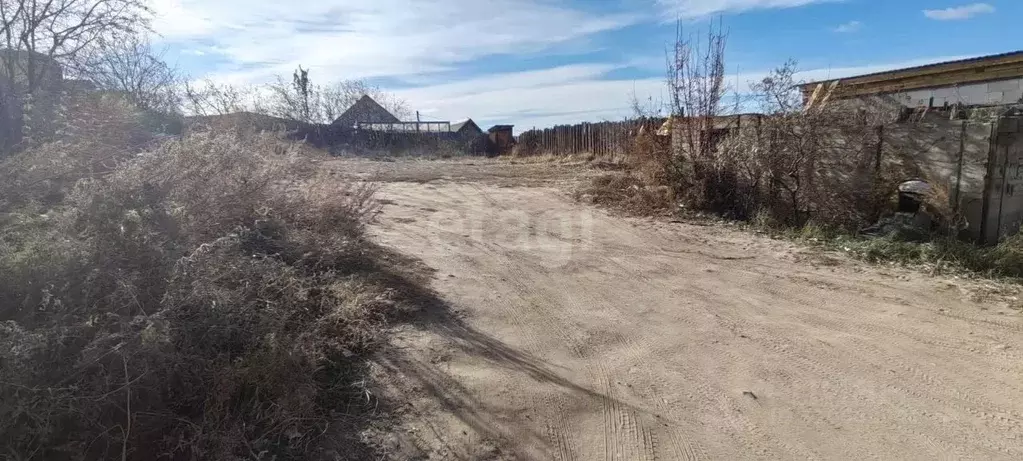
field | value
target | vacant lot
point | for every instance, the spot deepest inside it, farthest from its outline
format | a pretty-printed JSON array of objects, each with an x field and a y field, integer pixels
[{"x": 571, "y": 334}]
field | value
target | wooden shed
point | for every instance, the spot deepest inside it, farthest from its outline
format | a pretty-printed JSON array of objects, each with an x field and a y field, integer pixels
[{"x": 501, "y": 138}]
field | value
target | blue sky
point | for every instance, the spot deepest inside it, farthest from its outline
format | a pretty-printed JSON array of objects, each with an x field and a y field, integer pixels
[{"x": 542, "y": 62}]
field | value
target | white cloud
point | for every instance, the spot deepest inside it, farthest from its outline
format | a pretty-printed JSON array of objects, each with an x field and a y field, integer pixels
[
  {"x": 959, "y": 12},
  {"x": 258, "y": 39},
  {"x": 849, "y": 27},
  {"x": 689, "y": 9},
  {"x": 533, "y": 98},
  {"x": 850, "y": 71},
  {"x": 423, "y": 40},
  {"x": 573, "y": 94}
]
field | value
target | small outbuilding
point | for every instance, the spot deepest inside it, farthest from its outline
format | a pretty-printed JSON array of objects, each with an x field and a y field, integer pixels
[{"x": 501, "y": 138}]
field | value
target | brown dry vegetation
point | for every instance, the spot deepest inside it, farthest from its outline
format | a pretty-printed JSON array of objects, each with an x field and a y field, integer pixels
[
  {"x": 807, "y": 174},
  {"x": 206, "y": 298},
  {"x": 639, "y": 184}
]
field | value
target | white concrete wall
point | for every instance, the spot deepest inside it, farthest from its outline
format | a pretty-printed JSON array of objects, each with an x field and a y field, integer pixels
[{"x": 1008, "y": 91}]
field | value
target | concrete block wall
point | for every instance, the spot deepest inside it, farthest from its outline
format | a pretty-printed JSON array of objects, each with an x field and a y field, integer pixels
[
  {"x": 976, "y": 163},
  {"x": 1009, "y": 91},
  {"x": 951, "y": 155},
  {"x": 990, "y": 178}
]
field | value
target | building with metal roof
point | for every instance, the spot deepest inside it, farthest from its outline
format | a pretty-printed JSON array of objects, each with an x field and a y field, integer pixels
[{"x": 984, "y": 81}]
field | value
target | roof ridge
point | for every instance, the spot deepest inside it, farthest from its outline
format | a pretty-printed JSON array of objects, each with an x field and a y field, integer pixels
[{"x": 977, "y": 59}]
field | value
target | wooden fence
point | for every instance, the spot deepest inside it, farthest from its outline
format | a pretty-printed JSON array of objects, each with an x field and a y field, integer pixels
[
  {"x": 351, "y": 141},
  {"x": 603, "y": 138}
]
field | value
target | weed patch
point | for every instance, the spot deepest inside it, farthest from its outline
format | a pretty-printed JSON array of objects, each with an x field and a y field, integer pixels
[
  {"x": 626, "y": 192},
  {"x": 937, "y": 254},
  {"x": 208, "y": 299}
]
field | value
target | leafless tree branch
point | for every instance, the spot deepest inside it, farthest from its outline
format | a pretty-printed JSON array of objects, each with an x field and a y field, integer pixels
[
  {"x": 208, "y": 98},
  {"x": 37, "y": 31},
  {"x": 696, "y": 86},
  {"x": 129, "y": 65}
]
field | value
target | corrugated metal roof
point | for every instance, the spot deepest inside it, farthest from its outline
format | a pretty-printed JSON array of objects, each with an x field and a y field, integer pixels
[{"x": 894, "y": 73}]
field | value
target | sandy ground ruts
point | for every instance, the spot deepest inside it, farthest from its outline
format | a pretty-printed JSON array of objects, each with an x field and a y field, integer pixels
[{"x": 572, "y": 334}]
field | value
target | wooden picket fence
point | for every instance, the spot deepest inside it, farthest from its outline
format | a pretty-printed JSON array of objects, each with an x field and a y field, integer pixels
[{"x": 602, "y": 138}]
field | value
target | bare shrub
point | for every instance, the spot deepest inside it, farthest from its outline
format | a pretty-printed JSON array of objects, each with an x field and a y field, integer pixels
[
  {"x": 650, "y": 156},
  {"x": 695, "y": 78},
  {"x": 528, "y": 145},
  {"x": 208, "y": 98},
  {"x": 206, "y": 300},
  {"x": 799, "y": 165},
  {"x": 788, "y": 166},
  {"x": 98, "y": 132},
  {"x": 696, "y": 87}
]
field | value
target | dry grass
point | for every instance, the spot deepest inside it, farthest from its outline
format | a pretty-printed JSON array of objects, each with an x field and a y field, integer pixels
[
  {"x": 99, "y": 132},
  {"x": 626, "y": 192},
  {"x": 637, "y": 184},
  {"x": 804, "y": 175},
  {"x": 937, "y": 255},
  {"x": 208, "y": 299}
]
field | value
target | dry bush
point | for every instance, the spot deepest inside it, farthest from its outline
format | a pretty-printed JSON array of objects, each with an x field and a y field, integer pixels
[
  {"x": 801, "y": 167},
  {"x": 790, "y": 166},
  {"x": 649, "y": 155},
  {"x": 206, "y": 300},
  {"x": 98, "y": 132},
  {"x": 626, "y": 192},
  {"x": 938, "y": 203},
  {"x": 797, "y": 165},
  {"x": 528, "y": 144}
]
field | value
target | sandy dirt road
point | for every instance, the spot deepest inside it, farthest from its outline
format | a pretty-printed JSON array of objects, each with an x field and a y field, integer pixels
[{"x": 571, "y": 334}]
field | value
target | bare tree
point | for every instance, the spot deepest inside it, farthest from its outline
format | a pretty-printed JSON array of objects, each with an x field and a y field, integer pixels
[
  {"x": 41, "y": 41},
  {"x": 305, "y": 92},
  {"x": 303, "y": 101},
  {"x": 696, "y": 86},
  {"x": 38, "y": 32},
  {"x": 298, "y": 100},
  {"x": 129, "y": 65},
  {"x": 645, "y": 109},
  {"x": 338, "y": 97},
  {"x": 778, "y": 93},
  {"x": 209, "y": 98}
]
